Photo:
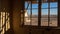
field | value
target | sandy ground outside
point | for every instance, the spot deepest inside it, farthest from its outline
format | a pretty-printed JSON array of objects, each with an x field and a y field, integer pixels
[{"x": 44, "y": 22}]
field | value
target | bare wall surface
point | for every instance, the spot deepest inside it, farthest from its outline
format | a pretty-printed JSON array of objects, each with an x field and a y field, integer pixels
[{"x": 16, "y": 17}]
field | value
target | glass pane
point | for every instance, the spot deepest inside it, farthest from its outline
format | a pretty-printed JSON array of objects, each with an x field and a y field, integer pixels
[
  {"x": 34, "y": 5},
  {"x": 34, "y": 20},
  {"x": 44, "y": 17},
  {"x": 35, "y": 17},
  {"x": 54, "y": 4},
  {"x": 53, "y": 17},
  {"x": 27, "y": 5},
  {"x": 44, "y": 5},
  {"x": 27, "y": 17},
  {"x": 27, "y": 13}
]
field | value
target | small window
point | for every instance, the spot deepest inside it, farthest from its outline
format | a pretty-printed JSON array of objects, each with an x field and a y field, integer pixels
[
  {"x": 44, "y": 5},
  {"x": 31, "y": 16},
  {"x": 54, "y": 4},
  {"x": 44, "y": 17},
  {"x": 49, "y": 14},
  {"x": 34, "y": 5},
  {"x": 53, "y": 17},
  {"x": 35, "y": 17}
]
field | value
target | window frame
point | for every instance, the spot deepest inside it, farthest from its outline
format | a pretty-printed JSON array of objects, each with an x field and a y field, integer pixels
[{"x": 39, "y": 15}]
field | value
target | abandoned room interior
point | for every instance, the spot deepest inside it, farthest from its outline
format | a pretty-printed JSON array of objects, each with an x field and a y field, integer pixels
[{"x": 29, "y": 17}]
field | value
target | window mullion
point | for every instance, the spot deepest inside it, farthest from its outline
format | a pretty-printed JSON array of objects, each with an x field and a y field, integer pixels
[
  {"x": 58, "y": 13},
  {"x": 39, "y": 13},
  {"x": 48, "y": 13},
  {"x": 31, "y": 13}
]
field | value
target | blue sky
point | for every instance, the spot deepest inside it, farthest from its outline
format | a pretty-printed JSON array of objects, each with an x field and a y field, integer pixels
[{"x": 43, "y": 11}]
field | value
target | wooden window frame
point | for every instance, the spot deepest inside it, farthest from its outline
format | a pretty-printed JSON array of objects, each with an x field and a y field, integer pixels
[{"x": 39, "y": 16}]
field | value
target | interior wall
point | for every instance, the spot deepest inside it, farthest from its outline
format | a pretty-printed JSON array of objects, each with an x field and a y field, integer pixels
[
  {"x": 16, "y": 17},
  {"x": 17, "y": 6},
  {"x": 16, "y": 11}
]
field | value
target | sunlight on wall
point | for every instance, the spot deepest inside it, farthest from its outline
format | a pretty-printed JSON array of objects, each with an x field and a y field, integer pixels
[{"x": 4, "y": 22}]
